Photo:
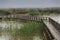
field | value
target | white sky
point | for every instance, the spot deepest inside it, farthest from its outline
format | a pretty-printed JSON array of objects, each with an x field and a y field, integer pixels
[{"x": 29, "y": 3}]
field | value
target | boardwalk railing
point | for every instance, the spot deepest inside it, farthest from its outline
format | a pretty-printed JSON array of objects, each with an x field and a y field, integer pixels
[
  {"x": 27, "y": 18},
  {"x": 56, "y": 25},
  {"x": 30, "y": 18},
  {"x": 47, "y": 33}
]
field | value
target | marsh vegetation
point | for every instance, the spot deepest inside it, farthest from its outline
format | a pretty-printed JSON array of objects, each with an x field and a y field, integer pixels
[{"x": 14, "y": 30}]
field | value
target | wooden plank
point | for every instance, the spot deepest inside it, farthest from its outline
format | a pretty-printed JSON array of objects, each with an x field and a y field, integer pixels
[{"x": 52, "y": 29}]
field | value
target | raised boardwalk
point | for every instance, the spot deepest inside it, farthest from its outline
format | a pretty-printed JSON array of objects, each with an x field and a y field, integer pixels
[
  {"x": 53, "y": 30},
  {"x": 51, "y": 27}
]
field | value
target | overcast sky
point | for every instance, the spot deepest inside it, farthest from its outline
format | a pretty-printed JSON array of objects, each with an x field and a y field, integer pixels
[{"x": 29, "y": 3}]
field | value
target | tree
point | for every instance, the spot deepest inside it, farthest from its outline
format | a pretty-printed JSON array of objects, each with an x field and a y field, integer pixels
[{"x": 33, "y": 12}]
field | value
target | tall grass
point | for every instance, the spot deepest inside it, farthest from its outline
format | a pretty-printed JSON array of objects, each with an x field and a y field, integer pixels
[
  {"x": 31, "y": 28},
  {"x": 27, "y": 31},
  {"x": 1, "y": 31}
]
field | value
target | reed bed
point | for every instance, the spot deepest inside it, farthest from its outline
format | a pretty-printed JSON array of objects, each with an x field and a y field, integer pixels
[{"x": 27, "y": 32}]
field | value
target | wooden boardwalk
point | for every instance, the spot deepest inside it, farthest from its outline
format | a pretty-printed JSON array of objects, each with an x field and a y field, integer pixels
[
  {"x": 49, "y": 24},
  {"x": 53, "y": 30}
]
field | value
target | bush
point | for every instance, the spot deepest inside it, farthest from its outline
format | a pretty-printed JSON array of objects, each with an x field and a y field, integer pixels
[{"x": 33, "y": 12}]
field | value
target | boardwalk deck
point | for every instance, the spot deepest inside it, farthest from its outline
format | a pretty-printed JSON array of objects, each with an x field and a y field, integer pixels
[
  {"x": 56, "y": 19},
  {"x": 53, "y": 31}
]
